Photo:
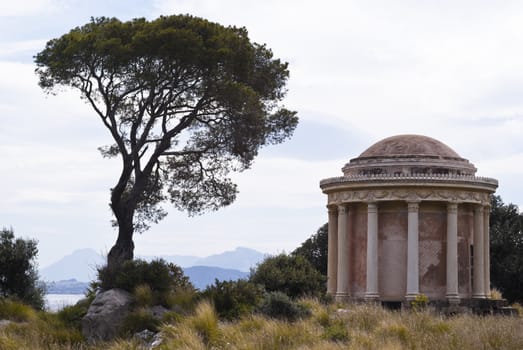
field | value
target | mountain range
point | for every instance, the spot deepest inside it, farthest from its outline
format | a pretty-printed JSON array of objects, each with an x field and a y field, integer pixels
[{"x": 71, "y": 273}]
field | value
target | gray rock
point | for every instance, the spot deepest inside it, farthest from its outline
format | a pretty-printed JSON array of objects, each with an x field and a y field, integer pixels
[
  {"x": 106, "y": 314},
  {"x": 5, "y": 323}
]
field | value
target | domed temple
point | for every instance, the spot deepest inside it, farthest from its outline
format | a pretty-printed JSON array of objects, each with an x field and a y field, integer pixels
[{"x": 408, "y": 217}]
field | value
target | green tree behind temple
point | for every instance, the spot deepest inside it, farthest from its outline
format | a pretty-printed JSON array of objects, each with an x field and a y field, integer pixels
[
  {"x": 315, "y": 249},
  {"x": 506, "y": 249},
  {"x": 292, "y": 275},
  {"x": 18, "y": 272}
]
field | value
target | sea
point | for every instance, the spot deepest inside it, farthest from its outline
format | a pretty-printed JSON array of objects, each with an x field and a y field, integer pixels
[{"x": 56, "y": 302}]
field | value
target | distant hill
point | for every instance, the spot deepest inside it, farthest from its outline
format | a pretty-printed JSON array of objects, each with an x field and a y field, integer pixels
[
  {"x": 202, "y": 276},
  {"x": 80, "y": 266}
]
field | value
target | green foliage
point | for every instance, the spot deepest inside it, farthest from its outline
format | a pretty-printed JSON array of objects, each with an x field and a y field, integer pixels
[
  {"x": 143, "y": 295},
  {"x": 336, "y": 330},
  {"x": 16, "y": 311},
  {"x": 420, "y": 302},
  {"x": 292, "y": 275},
  {"x": 205, "y": 322},
  {"x": 185, "y": 101},
  {"x": 18, "y": 272},
  {"x": 278, "y": 305},
  {"x": 158, "y": 276},
  {"x": 506, "y": 249},
  {"x": 315, "y": 249},
  {"x": 233, "y": 299},
  {"x": 138, "y": 320},
  {"x": 72, "y": 315}
]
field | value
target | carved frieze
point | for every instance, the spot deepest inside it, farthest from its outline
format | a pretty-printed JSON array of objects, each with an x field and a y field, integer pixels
[{"x": 411, "y": 195}]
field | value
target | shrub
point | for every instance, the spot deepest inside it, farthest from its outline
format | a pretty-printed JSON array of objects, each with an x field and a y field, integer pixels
[
  {"x": 337, "y": 331},
  {"x": 143, "y": 295},
  {"x": 139, "y": 320},
  {"x": 280, "y": 306},
  {"x": 292, "y": 275},
  {"x": 16, "y": 311},
  {"x": 232, "y": 299},
  {"x": 420, "y": 302},
  {"x": 72, "y": 315},
  {"x": 18, "y": 273},
  {"x": 135, "y": 276},
  {"x": 205, "y": 323}
]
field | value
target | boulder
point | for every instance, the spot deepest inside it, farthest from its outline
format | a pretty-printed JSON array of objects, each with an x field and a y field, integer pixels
[{"x": 106, "y": 314}]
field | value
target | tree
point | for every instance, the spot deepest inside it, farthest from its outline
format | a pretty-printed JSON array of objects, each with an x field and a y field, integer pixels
[
  {"x": 315, "y": 249},
  {"x": 506, "y": 249},
  {"x": 292, "y": 275},
  {"x": 18, "y": 273},
  {"x": 186, "y": 102}
]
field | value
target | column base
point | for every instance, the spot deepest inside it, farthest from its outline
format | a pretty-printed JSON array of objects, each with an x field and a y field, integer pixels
[
  {"x": 343, "y": 297},
  {"x": 371, "y": 297},
  {"x": 411, "y": 296},
  {"x": 453, "y": 299},
  {"x": 479, "y": 296}
]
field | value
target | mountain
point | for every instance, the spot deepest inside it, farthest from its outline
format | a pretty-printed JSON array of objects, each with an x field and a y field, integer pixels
[
  {"x": 202, "y": 276},
  {"x": 240, "y": 259},
  {"x": 80, "y": 265}
]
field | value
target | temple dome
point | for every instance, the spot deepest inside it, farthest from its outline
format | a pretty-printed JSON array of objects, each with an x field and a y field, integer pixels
[
  {"x": 405, "y": 145},
  {"x": 409, "y": 155}
]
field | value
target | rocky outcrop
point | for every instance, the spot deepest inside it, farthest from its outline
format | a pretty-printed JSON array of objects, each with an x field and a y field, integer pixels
[{"x": 106, "y": 314}]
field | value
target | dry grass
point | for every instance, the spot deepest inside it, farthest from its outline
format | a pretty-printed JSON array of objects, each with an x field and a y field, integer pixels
[{"x": 359, "y": 326}]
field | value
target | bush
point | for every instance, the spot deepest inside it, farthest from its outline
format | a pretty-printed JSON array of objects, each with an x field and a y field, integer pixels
[
  {"x": 139, "y": 276},
  {"x": 280, "y": 306},
  {"x": 16, "y": 311},
  {"x": 18, "y": 272},
  {"x": 72, "y": 315},
  {"x": 139, "y": 320},
  {"x": 292, "y": 275},
  {"x": 232, "y": 299}
]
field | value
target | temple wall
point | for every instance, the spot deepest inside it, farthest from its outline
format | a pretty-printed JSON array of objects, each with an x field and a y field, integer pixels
[{"x": 432, "y": 249}]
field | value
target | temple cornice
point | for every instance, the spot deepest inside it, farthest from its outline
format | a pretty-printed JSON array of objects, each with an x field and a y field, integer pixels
[{"x": 386, "y": 180}]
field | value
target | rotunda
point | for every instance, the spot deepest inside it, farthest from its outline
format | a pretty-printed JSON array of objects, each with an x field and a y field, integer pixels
[{"x": 408, "y": 217}]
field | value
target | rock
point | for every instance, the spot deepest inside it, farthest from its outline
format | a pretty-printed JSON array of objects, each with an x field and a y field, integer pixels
[
  {"x": 106, "y": 314},
  {"x": 5, "y": 323},
  {"x": 157, "y": 312},
  {"x": 149, "y": 340}
]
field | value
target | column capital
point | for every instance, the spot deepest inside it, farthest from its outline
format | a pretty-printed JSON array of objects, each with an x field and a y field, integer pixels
[
  {"x": 342, "y": 209},
  {"x": 332, "y": 209},
  {"x": 452, "y": 207},
  {"x": 372, "y": 207},
  {"x": 413, "y": 206},
  {"x": 478, "y": 209}
]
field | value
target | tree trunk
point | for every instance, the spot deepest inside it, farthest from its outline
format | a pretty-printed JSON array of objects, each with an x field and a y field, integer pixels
[{"x": 123, "y": 249}]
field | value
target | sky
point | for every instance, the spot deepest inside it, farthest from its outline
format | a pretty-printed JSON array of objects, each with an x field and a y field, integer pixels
[{"x": 360, "y": 71}]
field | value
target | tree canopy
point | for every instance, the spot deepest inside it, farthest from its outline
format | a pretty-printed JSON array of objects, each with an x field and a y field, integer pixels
[
  {"x": 315, "y": 249},
  {"x": 186, "y": 102},
  {"x": 18, "y": 272},
  {"x": 506, "y": 249},
  {"x": 291, "y": 275}
]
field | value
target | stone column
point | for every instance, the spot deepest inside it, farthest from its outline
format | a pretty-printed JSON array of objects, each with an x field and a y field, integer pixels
[
  {"x": 342, "y": 288},
  {"x": 452, "y": 253},
  {"x": 371, "y": 292},
  {"x": 332, "y": 262},
  {"x": 486, "y": 248},
  {"x": 412, "y": 251},
  {"x": 478, "y": 288}
]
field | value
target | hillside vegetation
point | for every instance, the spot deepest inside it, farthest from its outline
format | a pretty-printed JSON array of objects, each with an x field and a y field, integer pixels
[{"x": 331, "y": 326}]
